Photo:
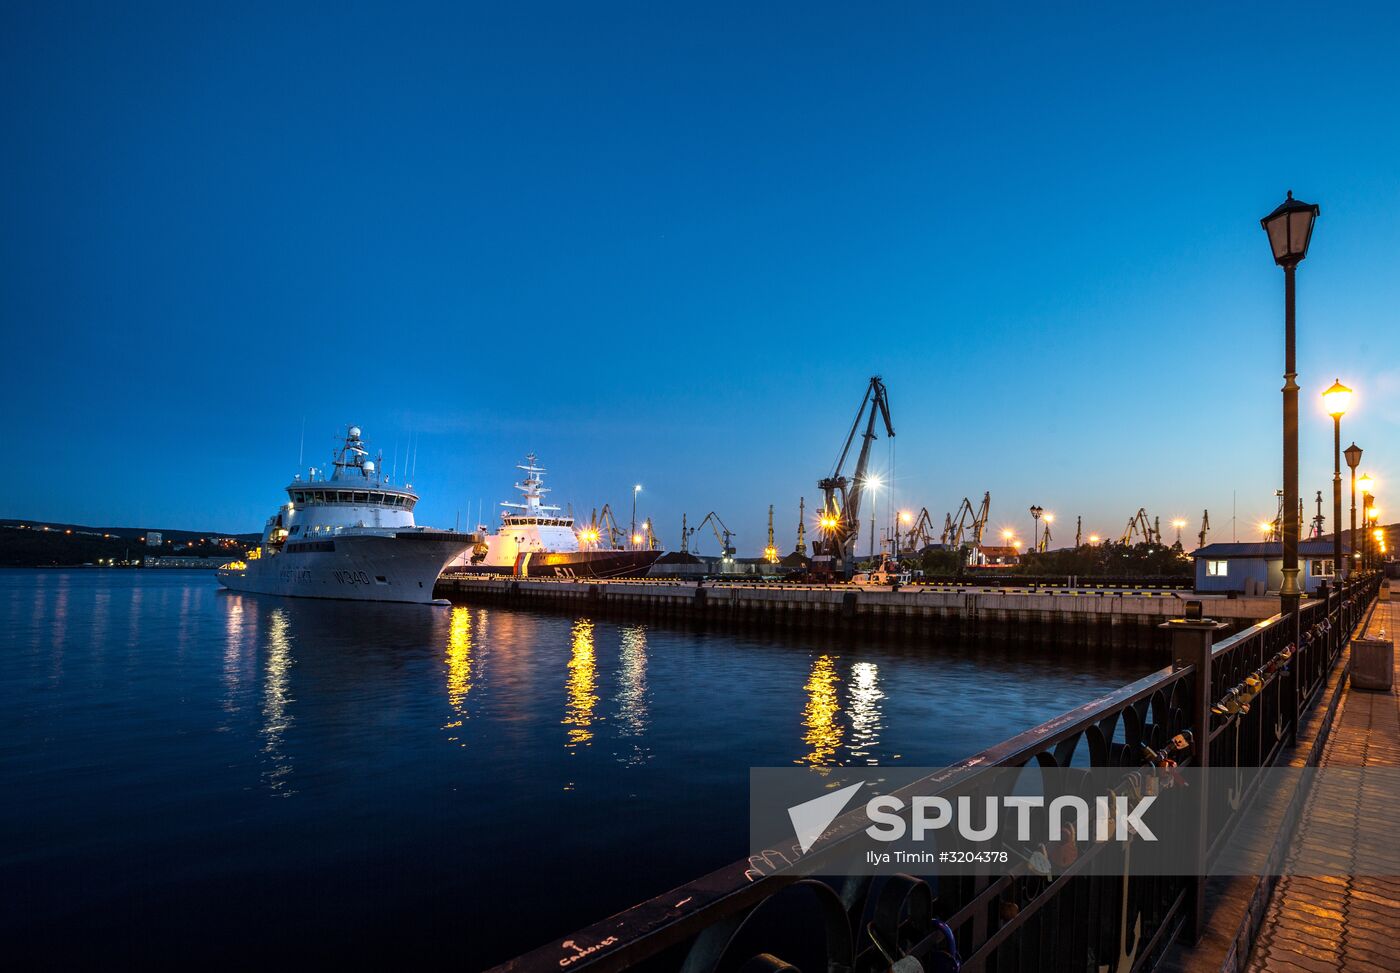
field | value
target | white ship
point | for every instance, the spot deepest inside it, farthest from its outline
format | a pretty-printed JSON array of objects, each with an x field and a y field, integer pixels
[
  {"x": 351, "y": 535},
  {"x": 534, "y": 541}
]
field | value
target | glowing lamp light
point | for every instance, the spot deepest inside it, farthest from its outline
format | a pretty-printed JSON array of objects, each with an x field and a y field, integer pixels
[
  {"x": 905, "y": 517},
  {"x": 873, "y": 482},
  {"x": 1366, "y": 483},
  {"x": 636, "y": 538},
  {"x": 1178, "y": 523},
  {"x": 1093, "y": 538},
  {"x": 1006, "y": 535},
  {"x": 1336, "y": 399},
  {"x": 1049, "y": 518}
]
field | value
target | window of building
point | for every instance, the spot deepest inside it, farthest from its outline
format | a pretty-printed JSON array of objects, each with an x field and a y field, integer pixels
[
  {"x": 362, "y": 498},
  {"x": 345, "y": 496},
  {"x": 1322, "y": 568},
  {"x": 1217, "y": 569},
  {"x": 298, "y": 497},
  {"x": 376, "y": 498}
]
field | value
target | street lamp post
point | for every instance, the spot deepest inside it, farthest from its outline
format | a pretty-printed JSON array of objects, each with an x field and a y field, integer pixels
[
  {"x": 1289, "y": 228},
  {"x": 1335, "y": 400},
  {"x": 1035, "y": 514},
  {"x": 1353, "y": 455},
  {"x": 1365, "y": 483}
]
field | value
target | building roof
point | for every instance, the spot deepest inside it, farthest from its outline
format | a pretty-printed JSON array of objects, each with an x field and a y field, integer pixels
[{"x": 1265, "y": 549}]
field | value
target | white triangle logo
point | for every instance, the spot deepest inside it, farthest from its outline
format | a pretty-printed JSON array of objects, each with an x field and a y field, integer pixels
[{"x": 810, "y": 819}]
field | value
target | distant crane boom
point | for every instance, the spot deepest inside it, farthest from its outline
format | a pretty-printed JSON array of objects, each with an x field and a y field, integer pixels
[{"x": 841, "y": 496}]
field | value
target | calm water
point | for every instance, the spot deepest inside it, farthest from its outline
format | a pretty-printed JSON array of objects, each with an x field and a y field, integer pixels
[{"x": 236, "y": 777}]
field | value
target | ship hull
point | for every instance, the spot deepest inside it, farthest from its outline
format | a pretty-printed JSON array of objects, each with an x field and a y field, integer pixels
[
  {"x": 570, "y": 565},
  {"x": 401, "y": 567}
]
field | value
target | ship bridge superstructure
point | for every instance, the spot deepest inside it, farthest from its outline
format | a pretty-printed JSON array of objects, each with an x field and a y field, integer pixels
[{"x": 355, "y": 493}]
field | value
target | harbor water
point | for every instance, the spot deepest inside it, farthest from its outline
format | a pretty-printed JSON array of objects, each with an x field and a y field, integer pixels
[{"x": 198, "y": 773}]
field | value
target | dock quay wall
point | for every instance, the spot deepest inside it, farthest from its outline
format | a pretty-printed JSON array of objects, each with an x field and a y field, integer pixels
[{"x": 1126, "y": 618}]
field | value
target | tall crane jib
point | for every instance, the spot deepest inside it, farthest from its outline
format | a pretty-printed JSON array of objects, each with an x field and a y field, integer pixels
[
  {"x": 723, "y": 534},
  {"x": 963, "y": 530},
  {"x": 841, "y": 497}
]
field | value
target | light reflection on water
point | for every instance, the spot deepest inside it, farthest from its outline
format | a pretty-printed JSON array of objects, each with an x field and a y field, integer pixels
[
  {"x": 632, "y": 701},
  {"x": 581, "y": 684},
  {"x": 339, "y": 765},
  {"x": 277, "y": 700},
  {"x": 821, "y": 717},
  {"x": 459, "y": 669}
]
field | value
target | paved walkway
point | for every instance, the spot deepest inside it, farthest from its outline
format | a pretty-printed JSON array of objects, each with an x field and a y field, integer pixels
[{"x": 1343, "y": 923}]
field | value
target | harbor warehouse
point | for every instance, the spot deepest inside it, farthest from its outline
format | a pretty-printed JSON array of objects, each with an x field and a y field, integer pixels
[{"x": 1253, "y": 569}]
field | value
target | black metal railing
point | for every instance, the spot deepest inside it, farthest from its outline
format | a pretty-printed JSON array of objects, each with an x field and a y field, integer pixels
[{"x": 1243, "y": 697}]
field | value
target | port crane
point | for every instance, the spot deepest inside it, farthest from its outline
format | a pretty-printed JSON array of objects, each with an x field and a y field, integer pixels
[
  {"x": 841, "y": 497},
  {"x": 920, "y": 534},
  {"x": 965, "y": 528},
  {"x": 1205, "y": 528},
  {"x": 1043, "y": 544},
  {"x": 801, "y": 548},
  {"x": 1138, "y": 531},
  {"x": 770, "y": 553},
  {"x": 717, "y": 525},
  {"x": 602, "y": 527}
]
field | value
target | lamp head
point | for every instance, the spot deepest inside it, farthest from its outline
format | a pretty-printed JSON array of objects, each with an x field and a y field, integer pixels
[
  {"x": 1353, "y": 455},
  {"x": 1336, "y": 399},
  {"x": 1290, "y": 229}
]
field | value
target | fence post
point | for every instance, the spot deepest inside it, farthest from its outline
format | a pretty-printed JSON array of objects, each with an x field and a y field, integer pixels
[{"x": 1192, "y": 640}]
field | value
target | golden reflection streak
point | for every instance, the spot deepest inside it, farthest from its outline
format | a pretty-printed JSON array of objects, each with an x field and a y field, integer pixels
[
  {"x": 582, "y": 685},
  {"x": 233, "y": 650},
  {"x": 632, "y": 709},
  {"x": 459, "y": 668},
  {"x": 276, "y": 700},
  {"x": 865, "y": 695},
  {"x": 822, "y": 714}
]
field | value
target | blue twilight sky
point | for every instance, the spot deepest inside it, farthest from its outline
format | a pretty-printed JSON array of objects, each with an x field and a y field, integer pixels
[{"x": 668, "y": 244}]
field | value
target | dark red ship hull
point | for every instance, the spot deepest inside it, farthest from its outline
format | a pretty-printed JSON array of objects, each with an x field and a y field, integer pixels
[{"x": 571, "y": 565}]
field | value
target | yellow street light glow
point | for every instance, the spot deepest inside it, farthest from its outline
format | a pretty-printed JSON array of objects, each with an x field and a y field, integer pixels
[
  {"x": 1365, "y": 483},
  {"x": 1016, "y": 544},
  {"x": 1267, "y": 526},
  {"x": 1336, "y": 399},
  {"x": 873, "y": 482},
  {"x": 1093, "y": 538},
  {"x": 905, "y": 516},
  {"x": 1006, "y": 535},
  {"x": 1375, "y": 513},
  {"x": 636, "y": 538},
  {"x": 1049, "y": 518},
  {"x": 1178, "y": 523}
]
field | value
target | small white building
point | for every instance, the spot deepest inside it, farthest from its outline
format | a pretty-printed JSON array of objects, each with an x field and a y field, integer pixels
[
  {"x": 153, "y": 538},
  {"x": 1257, "y": 568}
]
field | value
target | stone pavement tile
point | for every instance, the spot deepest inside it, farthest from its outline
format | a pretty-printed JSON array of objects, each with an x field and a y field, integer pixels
[
  {"x": 1350, "y": 965},
  {"x": 1296, "y": 907},
  {"x": 1301, "y": 956}
]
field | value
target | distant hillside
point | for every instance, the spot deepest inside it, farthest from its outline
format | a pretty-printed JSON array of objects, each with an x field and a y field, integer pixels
[{"x": 37, "y": 543}]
